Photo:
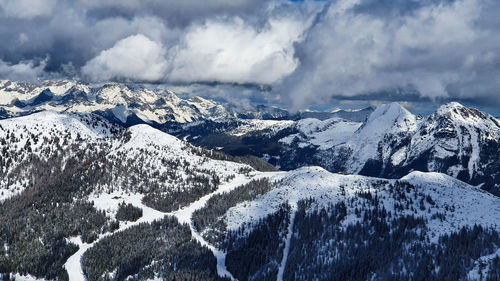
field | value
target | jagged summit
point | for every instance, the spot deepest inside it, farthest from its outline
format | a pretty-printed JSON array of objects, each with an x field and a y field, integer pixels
[
  {"x": 455, "y": 140},
  {"x": 388, "y": 117},
  {"x": 392, "y": 111},
  {"x": 388, "y": 141},
  {"x": 79, "y": 184},
  {"x": 130, "y": 104},
  {"x": 455, "y": 110},
  {"x": 122, "y": 103}
]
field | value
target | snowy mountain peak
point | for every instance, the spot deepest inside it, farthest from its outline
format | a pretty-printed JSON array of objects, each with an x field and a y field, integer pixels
[
  {"x": 388, "y": 111},
  {"x": 454, "y": 117},
  {"x": 387, "y": 119},
  {"x": 143, "y": 135},
  {"x": 171, "y": 97},
  {"x": 127, "y": 104},
  {"x": 458, "y": 138},
  {"x": 434, "y": 178},
  {"x": 61, "y": 87},
  {"x": 89, "y": 125},
  {"x": 388, "y": 125},
  {"x": 455, "y": 110},
  {"x": 447, "y": 107}
]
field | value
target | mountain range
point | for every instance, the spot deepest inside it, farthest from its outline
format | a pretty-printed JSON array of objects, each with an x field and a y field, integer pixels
[
  {"x": 129, "y": 104},
  {"x": 119, "y": 182}
]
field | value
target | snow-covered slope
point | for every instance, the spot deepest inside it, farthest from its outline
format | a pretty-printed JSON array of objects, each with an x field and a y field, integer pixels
[
  {"x": 27, "y": 142},
  {"x": 384, "y": 128},
  {"x": 138, "y": 157},
  {"x": 433, "y": 205},
  {"x": 458, "y": 134},
  {"x": 87, "y": 125},
  {"x": 69, "y": 169},
  {"x": 361, "y": 137},
  {"x": 323, "y": 134},
  {"x": 471, "y": 204},
  {"x": 455, "y": 140},
  {"x": 75, "y": 158}
]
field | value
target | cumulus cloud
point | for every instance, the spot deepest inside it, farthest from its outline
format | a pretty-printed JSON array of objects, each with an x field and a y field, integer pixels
[
  {"x": 351, "y": 49},
  {"x": 25, "y": 70},
  {"x": 350, "y": 54},
  {"x": 27, "y": 9},
  {"x": 150, "y": 26},
  {"x": 233, "y": 51},
  {"x": 79, "y": 30},
  {"x": 135, "y": 58}
]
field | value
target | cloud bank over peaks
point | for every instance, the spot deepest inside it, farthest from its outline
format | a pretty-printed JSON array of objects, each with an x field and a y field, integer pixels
[
  {"x": 351, "y": 54},
  {"x": 306, "y": 52},
  {"x": 22, "y": 71},
  {"x": 227, "y": 50}
]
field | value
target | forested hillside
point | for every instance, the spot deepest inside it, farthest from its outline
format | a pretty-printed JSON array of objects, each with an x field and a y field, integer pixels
[
  {"x": 84, "y": 198},
  {"x": 54, "y": 167}
]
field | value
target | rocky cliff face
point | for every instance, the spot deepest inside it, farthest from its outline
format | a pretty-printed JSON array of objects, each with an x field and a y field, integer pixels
[{"x": 455, "y": 140}]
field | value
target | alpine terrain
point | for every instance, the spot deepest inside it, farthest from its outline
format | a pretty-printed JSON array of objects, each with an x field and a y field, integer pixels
[{"x": 129, "y": 182}]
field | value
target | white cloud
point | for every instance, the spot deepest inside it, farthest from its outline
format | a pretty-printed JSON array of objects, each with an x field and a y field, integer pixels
[
  {"x": 435, "y": 48},
  {"x": 234, "y": 51},
  {"x": 27, "y": 9},
  {"x": 187, "y": 4},
  {"x": 22, "y": 71},
  {"x": 23, "y": 38},
  {"x": 106, "y": 32},
  {"x": 356, "y": 47},
  {"x": 135, "y": 58}
]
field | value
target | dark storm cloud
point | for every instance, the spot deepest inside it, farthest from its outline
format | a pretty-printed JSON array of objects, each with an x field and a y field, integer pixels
[
  {"x": 76, "y": 31},
  {"x": 383, "y": 8},
  {"x": 308, "y": 52},
  {"x": 175, "y": 13},
  {"x": 443, "y": 50}
]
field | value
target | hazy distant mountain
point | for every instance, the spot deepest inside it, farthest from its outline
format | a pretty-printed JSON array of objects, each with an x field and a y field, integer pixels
[{"x": 359, "y": 115}]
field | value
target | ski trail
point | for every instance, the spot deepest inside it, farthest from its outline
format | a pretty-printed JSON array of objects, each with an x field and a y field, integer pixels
[
  {"x": 479, "y": 269},
  {"x": 74, "y": 263},
  {"x": 219, "y": 255},
  {"x": 289, "y": 233},
  {"x": 184, "y": 215}
]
